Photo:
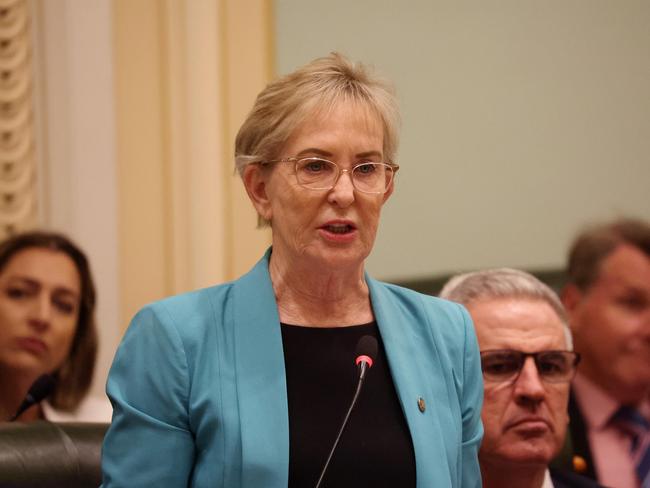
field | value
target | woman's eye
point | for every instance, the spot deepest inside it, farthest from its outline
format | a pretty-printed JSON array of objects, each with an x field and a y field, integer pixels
[
  {"x": 64, "y": 306},
  {"x": 366, "y": 168},
  {"x": 315, "y": 166}
]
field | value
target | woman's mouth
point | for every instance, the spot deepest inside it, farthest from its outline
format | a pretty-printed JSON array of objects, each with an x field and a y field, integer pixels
[
  {"x": 339, "y": 232},
  {"x": 339, "y": 228},
  {"x": 33, "y": 345}
]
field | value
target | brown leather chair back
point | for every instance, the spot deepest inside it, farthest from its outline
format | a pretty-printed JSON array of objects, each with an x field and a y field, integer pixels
[{"x": 51, "y": 455}]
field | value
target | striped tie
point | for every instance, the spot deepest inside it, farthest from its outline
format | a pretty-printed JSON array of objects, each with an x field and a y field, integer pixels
[{"x": 638, "y": 428}]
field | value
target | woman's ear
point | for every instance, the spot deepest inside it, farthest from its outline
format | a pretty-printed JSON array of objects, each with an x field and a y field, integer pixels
[
  {"x": 255, "y": 180},
  {"x": 389, "y": 192}
]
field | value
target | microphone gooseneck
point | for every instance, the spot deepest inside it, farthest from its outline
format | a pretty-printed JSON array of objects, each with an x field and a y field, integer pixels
[
  {"x": 366, "y": 350},
  {"x": 40, "y": 389}
]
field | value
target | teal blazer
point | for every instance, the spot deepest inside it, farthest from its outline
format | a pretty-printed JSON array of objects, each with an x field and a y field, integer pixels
[{"x": 199, "y": 394}]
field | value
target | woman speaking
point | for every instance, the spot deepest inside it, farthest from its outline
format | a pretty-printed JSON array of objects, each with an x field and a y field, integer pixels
[{"x": 247, "y": 384}]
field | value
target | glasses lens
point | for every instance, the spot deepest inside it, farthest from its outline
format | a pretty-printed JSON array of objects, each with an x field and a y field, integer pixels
[
  {"x": 500, "y": 365},
  {"x": 316, "y": 173},
  {"x": 555, "y": 365},
  {"x": 372, "y": 177},
  {"x": 552, "y": 366}
]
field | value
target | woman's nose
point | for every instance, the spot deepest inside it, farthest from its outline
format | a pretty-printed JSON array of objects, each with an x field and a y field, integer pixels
[
  {"x": 342, "y": 193},
  {"x": 41, "y": 313}
]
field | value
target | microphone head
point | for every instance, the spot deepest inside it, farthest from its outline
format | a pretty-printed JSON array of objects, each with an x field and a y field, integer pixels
[
  {"x": 366, "y": 350},
  {"x": 41, "y": 388}
]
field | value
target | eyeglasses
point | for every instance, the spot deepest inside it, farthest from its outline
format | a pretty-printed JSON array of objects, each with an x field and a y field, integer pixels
[
  {"x": 505, "y": 365},
  {"x": 321, "y": 174}
]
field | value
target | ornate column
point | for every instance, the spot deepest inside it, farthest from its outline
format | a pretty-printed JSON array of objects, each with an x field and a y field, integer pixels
[{"x": 18, "y": 186}]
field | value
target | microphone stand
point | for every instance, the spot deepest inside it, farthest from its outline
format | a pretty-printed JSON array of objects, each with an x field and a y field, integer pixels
[{"x": 363, "y": 367}]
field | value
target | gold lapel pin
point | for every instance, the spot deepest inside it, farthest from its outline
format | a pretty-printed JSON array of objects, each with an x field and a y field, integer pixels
[
  {"x": 421, "y": 405},
  {"x": 579, "y": 464}
]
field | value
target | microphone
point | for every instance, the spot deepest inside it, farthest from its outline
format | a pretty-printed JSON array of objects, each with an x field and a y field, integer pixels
[
  {"x": 40, "y": 389},
  {"x": 366, "y": 350}
]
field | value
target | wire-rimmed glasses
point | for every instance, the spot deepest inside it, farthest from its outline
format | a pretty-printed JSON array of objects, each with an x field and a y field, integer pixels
[
  {"x": 322, "y": 174},
  {"x": 504, "y": 365}
]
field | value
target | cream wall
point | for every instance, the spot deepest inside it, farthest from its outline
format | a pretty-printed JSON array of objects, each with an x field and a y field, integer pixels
[
  {"x": 522, "y": 120},
  {"x": 76, "y": 145},
  {"x": 137, "y": 105},
  {"x": 187, "y": 72}
]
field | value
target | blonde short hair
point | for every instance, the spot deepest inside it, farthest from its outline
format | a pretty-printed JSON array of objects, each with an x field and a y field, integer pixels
[{"x": 314, "y": 88}]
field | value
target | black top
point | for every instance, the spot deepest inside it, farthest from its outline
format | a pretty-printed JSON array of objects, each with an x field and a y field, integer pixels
[{"x": 376, "y": 448}]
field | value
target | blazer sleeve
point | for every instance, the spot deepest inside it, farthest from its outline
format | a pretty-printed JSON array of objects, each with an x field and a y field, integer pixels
[
  {"x": 471, "y": 404},
  {"x": 149, "y": 442}
]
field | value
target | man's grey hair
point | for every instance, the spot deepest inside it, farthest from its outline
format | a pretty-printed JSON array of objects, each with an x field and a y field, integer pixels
[{"x": 493, "y": 284}]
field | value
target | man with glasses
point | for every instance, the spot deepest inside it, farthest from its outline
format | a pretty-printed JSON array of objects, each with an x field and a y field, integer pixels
[{"x": 528, "y": 362}]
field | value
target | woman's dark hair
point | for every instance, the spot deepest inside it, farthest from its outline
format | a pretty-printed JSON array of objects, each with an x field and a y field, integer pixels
[{"x": 75, "y": 375}]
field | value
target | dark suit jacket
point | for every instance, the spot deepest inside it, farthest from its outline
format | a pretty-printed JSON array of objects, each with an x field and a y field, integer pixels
[
  {"x": 576, "y": 445},
  {"x": 567, "y": 479}
]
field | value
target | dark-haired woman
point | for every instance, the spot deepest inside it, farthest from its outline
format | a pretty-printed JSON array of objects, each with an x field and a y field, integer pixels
[{"x": 47, "y": 325}]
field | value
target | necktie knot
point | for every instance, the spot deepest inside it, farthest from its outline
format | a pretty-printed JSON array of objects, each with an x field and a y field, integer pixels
[{"x": 631, "y": 421}]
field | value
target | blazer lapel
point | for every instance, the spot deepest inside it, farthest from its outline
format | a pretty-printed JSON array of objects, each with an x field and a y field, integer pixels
[
  {"x": 261, "y": 383},
  {"x": 413, "y": 381}
]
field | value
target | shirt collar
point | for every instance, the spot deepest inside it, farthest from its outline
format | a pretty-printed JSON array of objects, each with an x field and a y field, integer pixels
[
  {"x": 597, "y": 407},
  {"x": 548, "y": 483}
]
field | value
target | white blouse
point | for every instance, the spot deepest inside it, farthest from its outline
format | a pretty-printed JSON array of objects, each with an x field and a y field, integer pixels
[{"x": 91, "y": 409}]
